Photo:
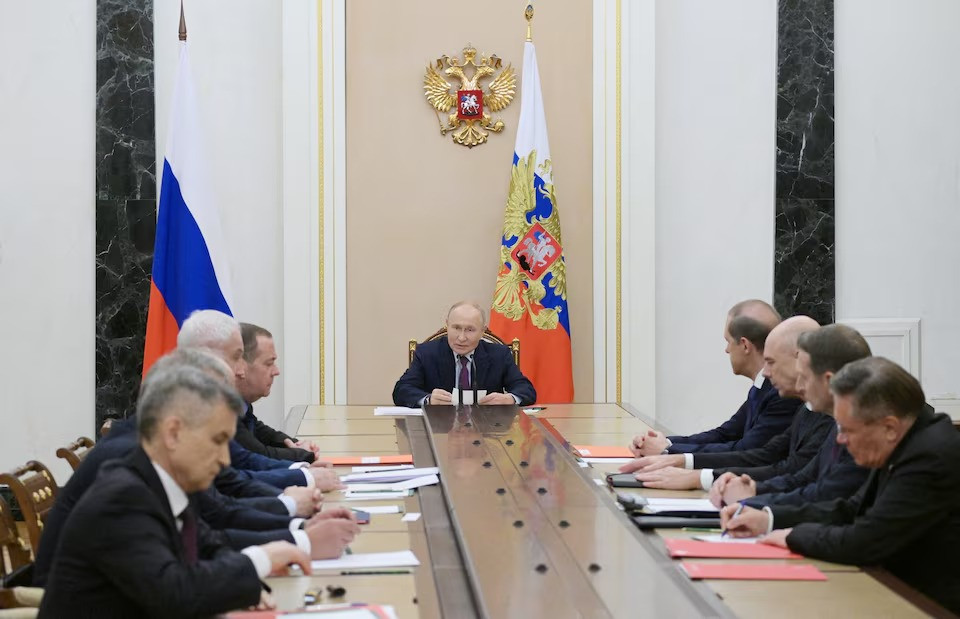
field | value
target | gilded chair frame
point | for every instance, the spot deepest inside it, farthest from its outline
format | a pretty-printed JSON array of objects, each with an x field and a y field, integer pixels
[{"x": 488, "y": 336}]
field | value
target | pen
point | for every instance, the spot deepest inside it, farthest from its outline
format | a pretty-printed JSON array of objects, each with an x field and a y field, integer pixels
[
  {"x": 266, "y": 587},
  {"x": 347, "y": 551},
  {"x": 735, "y": 514},
  {"x": 701, "y": 530},
  {"x": 372, "y": 572}
]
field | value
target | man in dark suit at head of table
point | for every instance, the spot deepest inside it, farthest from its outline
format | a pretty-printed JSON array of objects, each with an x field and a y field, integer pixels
[
  {"x": 762, "y": 416},
  {"x": 133, "y": 546},
  {"x": 443, "y": 364}
]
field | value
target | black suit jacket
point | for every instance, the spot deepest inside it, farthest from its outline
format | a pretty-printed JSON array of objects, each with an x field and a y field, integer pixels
[
  {"x": 751, "y": 426},
  {"x": 831, "y": 474},
  {"x": 434, "y": 367},
  {"x": 906, "y": 517},
  {"x": 787, "y": 452},
  {"x": 121, "y": 555},
  {"x": 260, "y": 438}
]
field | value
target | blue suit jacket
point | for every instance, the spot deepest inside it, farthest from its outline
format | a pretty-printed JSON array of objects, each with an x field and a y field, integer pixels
[
  {"x": 434, "y": 367},
  {"x": 751, "y": 426}
]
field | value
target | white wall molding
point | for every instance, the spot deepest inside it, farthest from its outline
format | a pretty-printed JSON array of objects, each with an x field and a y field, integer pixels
[{"x": 898, "y": 339}]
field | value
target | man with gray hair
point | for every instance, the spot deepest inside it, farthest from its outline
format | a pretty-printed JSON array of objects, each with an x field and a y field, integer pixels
[
  {"x": 443, "y": 364},
  {"x": 906, "y": 517},
  {"x": 133, "y": 545},
  {"x": 220, "y": 333}
]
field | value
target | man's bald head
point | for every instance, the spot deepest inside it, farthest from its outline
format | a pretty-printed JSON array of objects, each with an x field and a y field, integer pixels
[{"x": 780, "y": 354}]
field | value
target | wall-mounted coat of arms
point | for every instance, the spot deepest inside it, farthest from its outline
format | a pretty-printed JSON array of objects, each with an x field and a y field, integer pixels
[{"x": 469, "y": 120}]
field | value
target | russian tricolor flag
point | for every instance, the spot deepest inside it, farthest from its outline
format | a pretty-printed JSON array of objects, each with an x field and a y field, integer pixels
[{"x": 190, "y": 267}]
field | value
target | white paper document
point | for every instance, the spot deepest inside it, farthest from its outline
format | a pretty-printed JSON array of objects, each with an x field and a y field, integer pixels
[
  {"x": 411, "y": 517},
  {"x": 389, "y": 477},
  {"x": 381, "y": 495},
  {"x": 725, "y": 539},
  {"x": 367, "y": 560},
  {"x": 467, "y": 396},
  {"x": 656, "y": 505},
  {"x": 382, "y": 509},
  {"x": 407, "y": 484},
  {"x": 382, "y": 467},
  {"x": 607, "y": 460},
  {"x": 397, "y": 410}
]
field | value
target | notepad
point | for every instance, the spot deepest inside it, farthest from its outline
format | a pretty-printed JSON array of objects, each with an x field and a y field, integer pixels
[
  {"x": 406, "y": 484},
  {"x": 719, "y": 538},
  {"x": 382, "y": 411},
  {"x": 365, "y": 560},
  {"x": 680, "y": 548},
  {"x": 380, "y": 467},
  {"x": 751, "y": 571},
  {"x": 655, "y": 505},
  {"x": 603, "y": 451},
  {"x": 358, "y": 460},
  {"x": 380, "y": 495}
]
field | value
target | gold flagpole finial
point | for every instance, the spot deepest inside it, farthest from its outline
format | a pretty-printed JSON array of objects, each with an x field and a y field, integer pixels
[
  {"x": 528, "y": 13},
  {"x": 183, "y": 24}
]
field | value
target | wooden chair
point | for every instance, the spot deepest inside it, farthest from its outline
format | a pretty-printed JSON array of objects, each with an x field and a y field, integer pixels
[
  {"x": 34, "y": 488},
  {"x": 17, "y": 550},
  {"x": 75, "y": 452},
  {"x": 488, "y": 336},
  {"x": 106, "y": 427}
]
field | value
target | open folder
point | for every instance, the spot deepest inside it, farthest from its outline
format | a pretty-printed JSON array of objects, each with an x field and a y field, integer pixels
[
  {"x": 603, "y": 451},
  {"x": 752, "y": 571},
  {"x": 358, "y": 460}
]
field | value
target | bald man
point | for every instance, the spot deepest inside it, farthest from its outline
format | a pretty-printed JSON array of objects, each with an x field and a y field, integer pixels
[
  {"x": 445, "y": 363},
  {"x": 762, "y": 416},
  {"x": 787, "y": 452}
]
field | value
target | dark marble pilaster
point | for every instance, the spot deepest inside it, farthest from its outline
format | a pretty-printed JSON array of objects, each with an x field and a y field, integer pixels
[
  {"x": 804, "y": 271},
  {"x": 126, "y": 198}
]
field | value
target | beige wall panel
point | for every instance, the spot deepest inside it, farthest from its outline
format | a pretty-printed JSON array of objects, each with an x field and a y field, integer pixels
[{"x": 424, "y": 215}]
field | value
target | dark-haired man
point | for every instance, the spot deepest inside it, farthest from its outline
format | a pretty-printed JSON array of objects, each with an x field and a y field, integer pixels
[
  {"x": 906, "y": 517},
  {"x": 260, "y": 354},
  {"x": 762, "y": 416}
]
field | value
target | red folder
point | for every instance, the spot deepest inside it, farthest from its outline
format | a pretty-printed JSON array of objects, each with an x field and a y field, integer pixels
[
  {"x": 603, "y": 451},
  {"x": 752, "y": 571},
  {"x": 681, "y": 548},
  {"x": 368, "y": 460}
]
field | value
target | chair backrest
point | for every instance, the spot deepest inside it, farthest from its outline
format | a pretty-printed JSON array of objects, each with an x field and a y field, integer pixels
[
  {"x": 488, "y": 336},
  {"x": 17, "y": 549},
  {"x": 75, "y": 452},
  {"x": 34, "y": 488}
]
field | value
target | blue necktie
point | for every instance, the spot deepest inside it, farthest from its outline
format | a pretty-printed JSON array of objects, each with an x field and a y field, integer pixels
[{"x": 753, "y": 396}]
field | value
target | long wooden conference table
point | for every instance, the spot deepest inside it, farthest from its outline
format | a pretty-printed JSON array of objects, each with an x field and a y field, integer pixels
[{"x": 518, "y": 527}]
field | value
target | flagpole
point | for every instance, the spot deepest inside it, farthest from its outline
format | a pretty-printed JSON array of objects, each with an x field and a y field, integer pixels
[
  {"x": 528, "y": 13},
  {"x": 183, "y": 24}
]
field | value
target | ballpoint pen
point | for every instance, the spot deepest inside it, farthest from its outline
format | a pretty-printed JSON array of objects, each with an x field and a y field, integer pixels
[{"x": 735, "y": 514}]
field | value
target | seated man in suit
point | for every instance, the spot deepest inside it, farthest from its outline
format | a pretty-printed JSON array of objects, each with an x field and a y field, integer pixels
[
  {"x": 221, "y": 333},
  {"x": 764, "y": 414},
  {"x": 240, "y": 522},
  {"x": 443, "y": 364},
  {"x": 832, "y": 473},
  {"x": 787, "y": 452},
  {"x": 906, "y": 517},
  {"x": 133, "y": 546},
  {"x": 260, "y": 355}
]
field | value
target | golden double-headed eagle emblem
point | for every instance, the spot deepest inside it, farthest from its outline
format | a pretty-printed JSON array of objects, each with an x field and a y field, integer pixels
[{"x": 469, "y": 120}]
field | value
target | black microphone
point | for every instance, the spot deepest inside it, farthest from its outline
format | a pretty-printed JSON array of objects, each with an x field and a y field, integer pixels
[
  {"x": 473, "y": 377},
  {"x": 458, "y": 366}
]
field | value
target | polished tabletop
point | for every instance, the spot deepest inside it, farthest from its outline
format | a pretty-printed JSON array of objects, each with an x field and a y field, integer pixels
[{"x": 520, "y": 528}]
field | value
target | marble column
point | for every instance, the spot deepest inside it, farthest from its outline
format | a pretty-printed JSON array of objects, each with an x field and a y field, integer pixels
[
  {"x": 804, "y": 279},
  {"x": 126, "y": 198}
]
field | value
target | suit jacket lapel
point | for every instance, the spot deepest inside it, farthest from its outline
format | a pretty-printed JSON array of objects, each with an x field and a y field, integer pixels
[
  {"x": 448, "y": 371},
  {"x": 140, "y": 462},
  {"x": 482, "y": 361}
]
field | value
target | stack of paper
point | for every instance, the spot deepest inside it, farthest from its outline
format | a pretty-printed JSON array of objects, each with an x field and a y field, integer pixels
[
  {"x": 661, "y": 505},
  {"x": 368, "y": 560},
  {"x": 679, "y": 548},
  {"x": 349, "y": 460},
  {"x": 752, "y": 571},
  {"x": 389, "y": 484}
]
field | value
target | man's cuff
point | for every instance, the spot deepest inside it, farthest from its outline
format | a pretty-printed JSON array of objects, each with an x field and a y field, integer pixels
[
  {"x": 515, "y": 398},
  {"x": 296, "y": 524},
  {"x": 688, "y": 461},
  {"x": 310, "y": 482},
  {"x": 425, "y": 400},
  {"x": 289, "y": 503},
  {"x": 769, "y": 517},
  {"x": 261, "y": 562},
  {"x": 298, "y": 465},
  {"x": 302, "y": 541},
  {"x": 706, "y": 478}
]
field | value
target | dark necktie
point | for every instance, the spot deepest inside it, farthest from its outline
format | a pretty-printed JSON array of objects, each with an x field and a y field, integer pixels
[
  {"x": 188, "y": 535},
  {"x": 752, "y": 397},
  {"x": 464, "y": 382}
]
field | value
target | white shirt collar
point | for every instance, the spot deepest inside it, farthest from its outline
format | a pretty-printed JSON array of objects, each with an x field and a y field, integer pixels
[
  {"x": 809, "y": 406},
  {"x": 758, "y": 381},
  {"x": 175, "y": 494},
  {"x": 469, "y": 356}
]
